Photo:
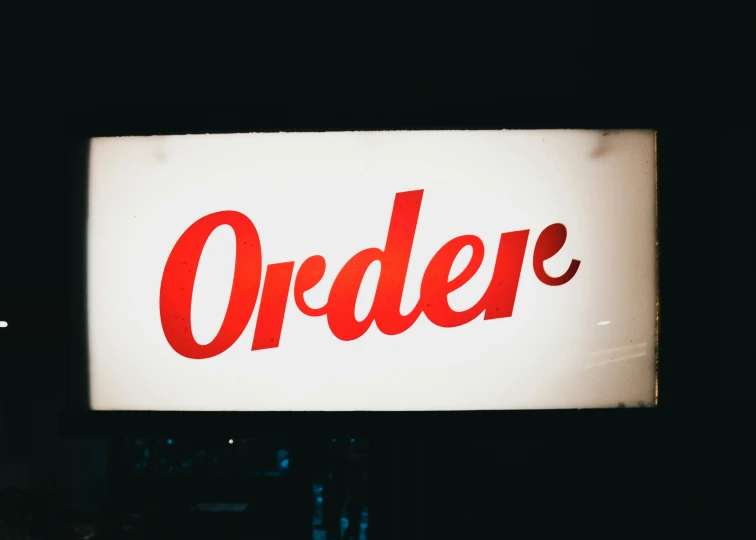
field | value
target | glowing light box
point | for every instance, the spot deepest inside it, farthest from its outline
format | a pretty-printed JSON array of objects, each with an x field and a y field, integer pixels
[{"x": 372, "y": 271}]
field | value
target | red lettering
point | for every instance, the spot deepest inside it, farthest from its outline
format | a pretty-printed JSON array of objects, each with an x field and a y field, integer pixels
[
  {"x": 178, "y": 284},
  {"x": 309, "y": 275},
  {"x": 498, "y": 301},
  {"x": 548, "y": 244},
  {"x": 502, "y": 291},
  {"x": 436, "y": 285},
  {"x": 272, "y": 306},
  {"x": 394, "y": 261}
]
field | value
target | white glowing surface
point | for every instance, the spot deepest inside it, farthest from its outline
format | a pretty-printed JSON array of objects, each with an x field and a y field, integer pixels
[{"x": 331, "y": 194}]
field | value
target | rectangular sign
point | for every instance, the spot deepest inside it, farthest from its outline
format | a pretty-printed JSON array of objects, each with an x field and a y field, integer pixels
[{"x": 372, "y": 271}]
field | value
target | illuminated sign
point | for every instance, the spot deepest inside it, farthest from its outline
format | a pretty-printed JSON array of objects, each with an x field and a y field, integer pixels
[{"x": 372, "y": 271}]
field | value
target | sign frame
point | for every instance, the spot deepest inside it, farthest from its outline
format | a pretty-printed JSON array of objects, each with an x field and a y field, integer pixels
[{"x": 82, "y": 124}]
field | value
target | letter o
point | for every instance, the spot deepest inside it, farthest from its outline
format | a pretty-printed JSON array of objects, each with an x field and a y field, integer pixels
[{"x": 180, "y": 272}]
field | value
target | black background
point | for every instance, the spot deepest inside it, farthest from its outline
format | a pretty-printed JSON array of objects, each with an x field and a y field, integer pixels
[{"x": 683, "y": 73}]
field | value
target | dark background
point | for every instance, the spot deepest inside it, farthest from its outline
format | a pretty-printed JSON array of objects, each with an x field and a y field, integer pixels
[{"x": 682, "y": 73}]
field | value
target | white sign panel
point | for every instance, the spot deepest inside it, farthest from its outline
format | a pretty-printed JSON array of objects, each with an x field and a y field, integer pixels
[{"x": 381, "y": 271}]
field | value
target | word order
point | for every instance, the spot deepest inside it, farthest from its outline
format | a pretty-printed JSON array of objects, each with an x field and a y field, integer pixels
[{"x": 497, "y": 301}]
